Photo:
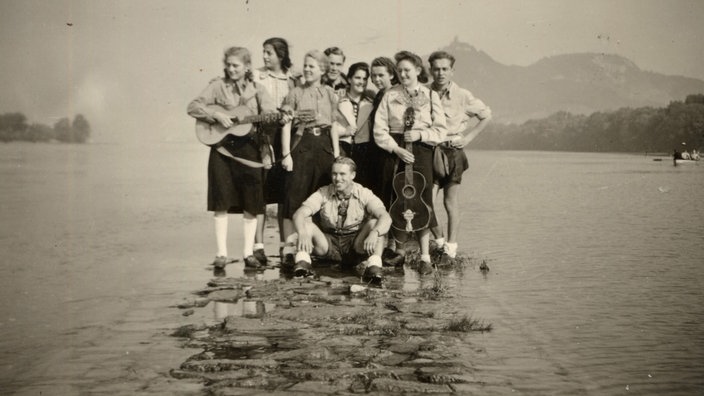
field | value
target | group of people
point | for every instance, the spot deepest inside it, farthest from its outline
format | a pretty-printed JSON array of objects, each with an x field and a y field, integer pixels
[
  {"x": 685, "y": 155},
  {"x": 332, "y": 174}
]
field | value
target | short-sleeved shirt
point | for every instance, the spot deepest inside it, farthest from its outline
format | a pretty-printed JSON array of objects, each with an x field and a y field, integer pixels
[
  {"x": 362, "y": 202},
  {"x": 460, "y": 106},
  {"x": 224, "y": 92},
  {"x": 319, "y": 98}
]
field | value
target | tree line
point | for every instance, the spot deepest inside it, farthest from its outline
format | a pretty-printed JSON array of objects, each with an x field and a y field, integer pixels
[
  {"x": 15, "y": 126},
  {"x": 643, "y": 129}
]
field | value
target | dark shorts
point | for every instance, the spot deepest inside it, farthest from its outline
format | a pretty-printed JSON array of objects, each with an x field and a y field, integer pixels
[
  {"x": 341, "y": 248},
  {"x": 232, "y": 186},
  {"x": 458, "y": 164}
]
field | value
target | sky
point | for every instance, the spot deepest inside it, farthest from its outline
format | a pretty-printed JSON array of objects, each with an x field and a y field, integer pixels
[{"x": 131, "y": 67}]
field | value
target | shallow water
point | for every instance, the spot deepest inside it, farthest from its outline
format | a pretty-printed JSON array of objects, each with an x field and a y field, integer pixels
[{"x": 594, "y": 285}]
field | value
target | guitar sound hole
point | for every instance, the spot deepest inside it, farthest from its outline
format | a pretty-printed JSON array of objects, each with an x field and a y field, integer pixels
[{"x": 408, "y": 192}]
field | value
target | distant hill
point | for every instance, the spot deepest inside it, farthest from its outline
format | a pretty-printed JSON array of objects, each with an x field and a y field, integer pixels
[{"x": 580, "y": 83}]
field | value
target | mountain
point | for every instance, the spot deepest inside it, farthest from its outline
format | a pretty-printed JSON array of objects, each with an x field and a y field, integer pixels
[{"x": 580, "y": 83}]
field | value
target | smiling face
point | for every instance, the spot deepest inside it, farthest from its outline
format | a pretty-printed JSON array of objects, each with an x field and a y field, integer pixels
[
  {"x": 271, "y": 60},
  {"x": 342, "y": 177},
  {"x": 408, "y": 73},
  {"x": 311, "y": 70},
  {"x": 358, "y": 82},
  {"x": 442, "y": 71},
  {"x": 336, "y": 62},
  {"x": 235, "y": 67},
  {"x": 381, "y": 77}
]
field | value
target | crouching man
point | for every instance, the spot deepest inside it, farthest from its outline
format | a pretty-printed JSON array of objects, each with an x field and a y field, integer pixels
[{"x": 351, "y": 227}]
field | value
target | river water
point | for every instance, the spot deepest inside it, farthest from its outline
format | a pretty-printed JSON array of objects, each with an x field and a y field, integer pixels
[{"x": 594, "y": 284}]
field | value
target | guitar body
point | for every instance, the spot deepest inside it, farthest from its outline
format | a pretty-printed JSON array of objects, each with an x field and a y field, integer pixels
[
  {"x": 409, "y": 212},
  {"x": 211, "y": 134}
]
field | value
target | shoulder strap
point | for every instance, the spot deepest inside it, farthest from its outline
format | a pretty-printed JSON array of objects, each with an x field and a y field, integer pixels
[{"x": 431, "y": 104}]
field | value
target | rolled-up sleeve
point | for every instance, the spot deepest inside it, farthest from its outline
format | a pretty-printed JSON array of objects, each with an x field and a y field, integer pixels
[
  {"x": 314, "y": 202},
  {"x": 475, "y": 107},
  {"x": 373, "y": 203}
]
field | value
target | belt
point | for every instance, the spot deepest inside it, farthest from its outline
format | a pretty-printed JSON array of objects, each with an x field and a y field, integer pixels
[
  {"x": 341, "y": 232},
  {"x": 317, "y": 131}
]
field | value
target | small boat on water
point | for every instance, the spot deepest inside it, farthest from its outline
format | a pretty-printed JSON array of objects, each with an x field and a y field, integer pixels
[
  {"x": 685, "y": 158},
  {"x": 686, "y": 162}
]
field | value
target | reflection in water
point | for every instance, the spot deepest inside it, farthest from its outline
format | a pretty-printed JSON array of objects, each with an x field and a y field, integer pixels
[
  {"x": 237, "y": 270},
  {"x": 243, "y": 308}
]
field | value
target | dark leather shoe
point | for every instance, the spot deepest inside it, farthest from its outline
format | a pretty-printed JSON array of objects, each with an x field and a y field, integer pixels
[
  {"x": 221, "y": 261},
  {"x": 372, "y": 274},
  {"x": 260, "y": 255},
  {"x": 252, "y": 262},
  {"x": 303, "y": 268},
  {"x": 425, "y": 267},
  {"x": 391, "y": 258},
  {"x": 288, "y": 262}
]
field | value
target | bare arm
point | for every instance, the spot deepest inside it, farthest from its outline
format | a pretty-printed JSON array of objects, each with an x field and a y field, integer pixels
[
  {"x": 474, "y": 108},
  {"x": 335, "y": 137},
  {"x": 471, "y": 133},
  {"x": 305, "y": 239},
  {"x": 286, "y": 161},
  {"x": 381, "y": 227}
]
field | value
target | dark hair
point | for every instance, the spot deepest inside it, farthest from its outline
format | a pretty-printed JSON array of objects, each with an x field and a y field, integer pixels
[
  {"x": 335, "y": 51},
  {"x": 416, "y": 61},
  {"x": 242, "y": 53},
  {"x": 281, "y": 48},
  {"x": 441, "y": 55},
  {"x": 346, "y": 161},
  {"x": 390, "y": 67},
  {"x": 356, "y": 67}
]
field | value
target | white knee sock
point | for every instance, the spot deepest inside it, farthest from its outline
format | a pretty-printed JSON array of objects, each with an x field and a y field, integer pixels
[
  {"x": 258, "y": 246},
  {"x": 221, "y": 234},
  {"x": 303, "y": 256},
  {"x": 249, "y": 229},
  {"x": 425, "y": 257},
  {"x": 374, "y": 260},
  {"x": 451, "y": 249}
]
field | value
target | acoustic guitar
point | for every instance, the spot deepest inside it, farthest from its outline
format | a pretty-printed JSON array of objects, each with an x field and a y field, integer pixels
[
  {"x": 242, "y": 118},
  {"x": 409, "y": 212}
]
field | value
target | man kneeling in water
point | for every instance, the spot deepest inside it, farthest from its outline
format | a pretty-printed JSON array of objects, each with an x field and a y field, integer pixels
[{"x": 353, "y": 222}]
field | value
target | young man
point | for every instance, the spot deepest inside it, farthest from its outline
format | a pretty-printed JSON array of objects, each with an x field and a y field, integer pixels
[
  {"x": 335, "y": 77},
  {"x": 460, "y": 106},
  {"x": 353, "y": 222}
]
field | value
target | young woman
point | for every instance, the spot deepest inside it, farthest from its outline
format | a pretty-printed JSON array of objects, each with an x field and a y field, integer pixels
[
  {"x": 309, "y": 150},
  {"x": 428, "y": 129},
  {"x": 278, "y": 82},
  {"x": 352, "y": 123},
  {"x": 233, "y": 186}
]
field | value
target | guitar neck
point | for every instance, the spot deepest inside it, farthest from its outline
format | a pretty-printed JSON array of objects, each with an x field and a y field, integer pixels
[
  {"x": 408, "y": 169},
  {"x": 253, "y": 119}
]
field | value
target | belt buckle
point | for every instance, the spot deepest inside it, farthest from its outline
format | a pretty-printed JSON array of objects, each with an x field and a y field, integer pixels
[{"x": 315, "y": 131}]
